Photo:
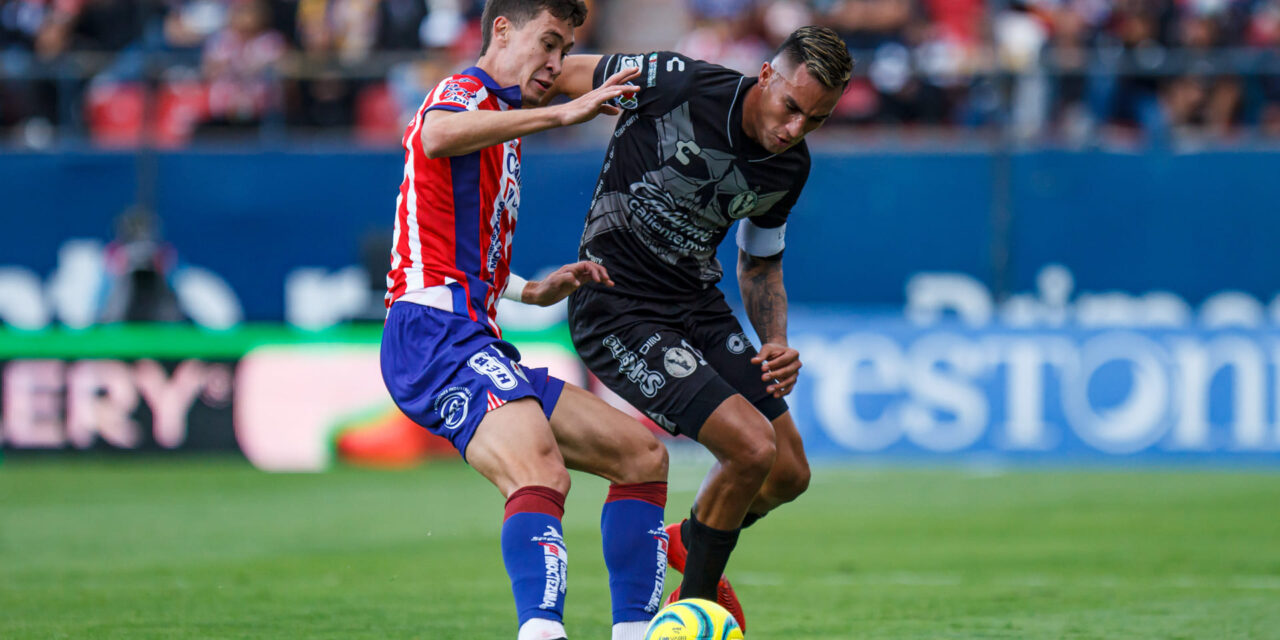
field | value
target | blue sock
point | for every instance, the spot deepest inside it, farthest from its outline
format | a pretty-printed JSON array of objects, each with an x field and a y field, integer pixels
[
  {"x": 534, "y": 553},
  {"x": 635, "y": 548}
]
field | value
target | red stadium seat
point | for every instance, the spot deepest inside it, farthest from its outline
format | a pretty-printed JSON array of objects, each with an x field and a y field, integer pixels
[
  {"x": 115, "y": 114},
  {"x": 378, "y": 119},
  {"x": 180, "y": 107}
]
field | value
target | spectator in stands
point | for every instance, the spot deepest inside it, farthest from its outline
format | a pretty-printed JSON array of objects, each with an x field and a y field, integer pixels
[
  {"x": 240, "y": 66},
  {"x": 23, "y": 100},
  {"x": 1263, "y": 32},
  {"x": 728, "y": 33}
]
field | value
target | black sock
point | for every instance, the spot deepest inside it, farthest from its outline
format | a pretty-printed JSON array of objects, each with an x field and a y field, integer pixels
[
  {"x": 709, "y": 551},
  {"x": 752, "y": 518}
]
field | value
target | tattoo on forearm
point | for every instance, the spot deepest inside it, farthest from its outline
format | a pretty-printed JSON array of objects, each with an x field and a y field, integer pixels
[{"x": 764, "y": 297}]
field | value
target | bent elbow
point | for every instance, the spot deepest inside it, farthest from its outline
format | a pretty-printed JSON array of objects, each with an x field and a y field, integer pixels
[{"x": 433, "y": 147}]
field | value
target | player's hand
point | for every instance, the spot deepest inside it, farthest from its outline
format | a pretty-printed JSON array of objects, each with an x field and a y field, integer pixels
[
  {"x": 779, "y": 366},
  {"x": 564, "y": 281},
  {"x": 596, "y": 102}
]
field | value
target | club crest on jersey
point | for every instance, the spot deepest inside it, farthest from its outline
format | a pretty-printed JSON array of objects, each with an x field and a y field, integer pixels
[
  {"x": 743, "y": 204},
  {"x": 451, "y": 406},
  {"x": 624, "y": 101},
  {"x": 679, "y": 362},
  {"x": 486, "y": 364}
]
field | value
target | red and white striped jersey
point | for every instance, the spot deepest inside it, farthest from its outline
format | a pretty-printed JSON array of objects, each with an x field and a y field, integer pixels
[{"x": 455, "y": 216}]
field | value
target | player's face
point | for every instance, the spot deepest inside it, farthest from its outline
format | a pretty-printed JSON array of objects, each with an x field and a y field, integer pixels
[
  {"x": 538, "y": 49},
  {"x": 792, "y": 104}
]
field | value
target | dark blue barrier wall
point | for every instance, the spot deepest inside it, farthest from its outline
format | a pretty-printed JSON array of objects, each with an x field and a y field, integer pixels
[{"x": 1192, "y": 224}]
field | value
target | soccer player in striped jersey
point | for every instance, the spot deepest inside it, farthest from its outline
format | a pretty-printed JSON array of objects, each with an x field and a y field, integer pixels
[{"x": 443, "y": 359}]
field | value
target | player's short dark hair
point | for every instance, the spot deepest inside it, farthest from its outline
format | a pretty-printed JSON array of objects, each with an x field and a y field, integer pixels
[
  {"x": 521, "y": 11},
  {"x": 822, "y": 52}
]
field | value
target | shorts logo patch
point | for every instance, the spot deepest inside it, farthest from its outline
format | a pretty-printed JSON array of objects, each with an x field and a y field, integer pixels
[
  {"x": 486, "y": 364},
  {"x": 632, "y": 366},
  {"x": 452, "y": 405},
  {"x": 737, "y": 342},
  {"x": 679, "y": 362}
]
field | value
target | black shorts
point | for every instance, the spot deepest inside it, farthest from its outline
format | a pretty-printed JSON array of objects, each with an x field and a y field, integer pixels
[{"x": 674, "y": 361}]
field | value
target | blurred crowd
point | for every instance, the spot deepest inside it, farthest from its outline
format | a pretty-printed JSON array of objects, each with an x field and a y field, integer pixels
[{"x": 1073, "y": 71}]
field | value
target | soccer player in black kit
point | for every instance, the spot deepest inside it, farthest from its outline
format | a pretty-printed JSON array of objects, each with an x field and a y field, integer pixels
[{"x": 696, "y": 149}]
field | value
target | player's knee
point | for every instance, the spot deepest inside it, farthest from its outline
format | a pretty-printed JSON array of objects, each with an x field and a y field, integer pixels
[
  {"x": 789, "y": 482},
  {"x": 755, "y": 457},
  {"x": 559, "y": 480},
  {"x": 645, "y": 462},
  {"x": 550, "y": 471},
  {"x": 654, "y": 462}
]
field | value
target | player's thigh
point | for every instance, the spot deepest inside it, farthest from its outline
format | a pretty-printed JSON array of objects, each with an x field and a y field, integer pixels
[
  {"x": 739, "y": 435},
  {"x": 650, "y": 365},
  {"x": 724, "y": 344},
  {"x": 601, "y": 440},
  {"x": 514, "y": 447}
]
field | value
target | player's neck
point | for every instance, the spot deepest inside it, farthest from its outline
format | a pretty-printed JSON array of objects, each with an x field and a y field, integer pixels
[
  {"x": 489, "y": 63},
  {"x": 750, "y": 110}
]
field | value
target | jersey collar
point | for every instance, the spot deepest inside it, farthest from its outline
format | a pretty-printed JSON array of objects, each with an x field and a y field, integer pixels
[{"x": 510, "y": 95}]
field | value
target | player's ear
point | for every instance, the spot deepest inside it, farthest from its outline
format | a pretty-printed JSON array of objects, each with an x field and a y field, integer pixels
[
  {"x": 501, "y": 27},
  {"x": 766, "y": 73}
]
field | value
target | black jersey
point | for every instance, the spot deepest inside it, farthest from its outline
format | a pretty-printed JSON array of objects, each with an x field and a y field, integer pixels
[{"x": 679, "y": 171}]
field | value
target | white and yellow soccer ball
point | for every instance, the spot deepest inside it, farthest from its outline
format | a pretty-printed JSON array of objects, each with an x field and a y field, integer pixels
[{"x": 693, "y": 619}]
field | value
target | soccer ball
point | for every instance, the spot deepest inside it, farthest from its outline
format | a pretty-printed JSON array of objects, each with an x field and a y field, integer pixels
[{"x": 693, "y": 619}]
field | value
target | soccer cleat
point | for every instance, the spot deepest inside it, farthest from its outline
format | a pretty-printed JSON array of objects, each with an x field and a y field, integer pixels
[
  {"x": 725, "y": 597},
  {"x": 675, "y": 547}
]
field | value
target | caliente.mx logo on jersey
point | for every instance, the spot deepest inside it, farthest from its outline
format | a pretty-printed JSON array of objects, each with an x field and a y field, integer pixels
[{"x": 685, "y": 206}]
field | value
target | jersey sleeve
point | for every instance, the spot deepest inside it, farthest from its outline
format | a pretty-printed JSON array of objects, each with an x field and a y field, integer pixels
[
  {"x": 664, "y": 78},
  {"x": 777, "y": 215},
  {"x": 456, "y": 93},
  {"x": 764, "y": 236}
]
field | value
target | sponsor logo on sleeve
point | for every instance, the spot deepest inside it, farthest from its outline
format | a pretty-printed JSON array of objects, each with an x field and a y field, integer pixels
[{"x": 455, "y": 92}]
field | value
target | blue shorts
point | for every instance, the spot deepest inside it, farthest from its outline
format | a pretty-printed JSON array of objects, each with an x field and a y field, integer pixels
[{"x": 446, "y": 372}]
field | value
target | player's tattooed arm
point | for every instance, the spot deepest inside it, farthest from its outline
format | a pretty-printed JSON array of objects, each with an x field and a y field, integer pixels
[{"x": 765, "y": 300}]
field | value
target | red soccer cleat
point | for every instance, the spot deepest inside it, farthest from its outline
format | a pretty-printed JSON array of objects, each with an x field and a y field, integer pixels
[
  {"x": 725, "y": 596},
  {"x": 675, "y": 547}
]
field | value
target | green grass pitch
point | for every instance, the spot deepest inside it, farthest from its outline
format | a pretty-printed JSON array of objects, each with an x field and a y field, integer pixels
[{"x": 210, "y": 548}]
